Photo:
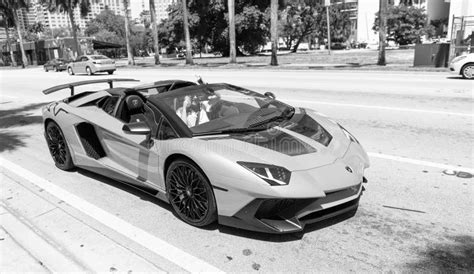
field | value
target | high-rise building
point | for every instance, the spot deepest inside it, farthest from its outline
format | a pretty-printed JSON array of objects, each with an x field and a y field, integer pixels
[
  {"x": 38, "y": 12},
  {"x": 161, "y": 7}
]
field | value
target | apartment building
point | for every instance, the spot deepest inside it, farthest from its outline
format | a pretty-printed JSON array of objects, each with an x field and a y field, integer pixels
[{"x": 38, "y": 12}]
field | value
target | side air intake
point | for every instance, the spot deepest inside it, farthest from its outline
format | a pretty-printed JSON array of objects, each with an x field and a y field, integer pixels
[{"x": 90, "y": 141}]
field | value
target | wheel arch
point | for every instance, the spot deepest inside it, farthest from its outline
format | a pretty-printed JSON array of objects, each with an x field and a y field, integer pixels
[
  {"x": 173, "y": 157},
  {"x": 463, "y": 66},
  {"x": 47, "y": 121}
]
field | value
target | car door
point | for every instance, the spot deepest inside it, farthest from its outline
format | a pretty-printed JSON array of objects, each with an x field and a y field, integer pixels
[
  {"x": 78, "y": 64},
  {"x": 131, "y": 155}
]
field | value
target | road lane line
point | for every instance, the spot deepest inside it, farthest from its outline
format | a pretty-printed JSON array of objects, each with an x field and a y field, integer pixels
[
  {"x": 153, "y": 243},
  {"x": 419, "y": 162},
  {"x": 380, "y": 107}
]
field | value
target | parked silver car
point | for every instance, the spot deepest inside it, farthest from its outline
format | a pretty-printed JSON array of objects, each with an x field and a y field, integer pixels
[{"x": 91, "y": 64}]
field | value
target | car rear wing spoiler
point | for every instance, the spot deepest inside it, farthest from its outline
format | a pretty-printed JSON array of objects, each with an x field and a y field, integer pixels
[{"x": 88, "y": 82}]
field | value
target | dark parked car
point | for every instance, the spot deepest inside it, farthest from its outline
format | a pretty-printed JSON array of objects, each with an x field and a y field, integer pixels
[{"x": 56, "y": 65}]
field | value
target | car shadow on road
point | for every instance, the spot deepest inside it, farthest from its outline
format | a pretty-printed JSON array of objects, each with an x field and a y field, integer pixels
[
  {"x": 456, "y": 78},
  {"x": 448, "y": 258},
  {"x": 142, "y": 193},
  {"x": 13, "y": 118}
]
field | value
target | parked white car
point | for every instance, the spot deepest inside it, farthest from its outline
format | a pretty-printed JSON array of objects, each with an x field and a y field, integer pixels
[
  {"x": 91, "y": 64},
  {"x": 463, "y": 65}
]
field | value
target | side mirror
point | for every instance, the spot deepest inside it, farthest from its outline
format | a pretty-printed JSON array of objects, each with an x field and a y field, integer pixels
[
  {"x": 138, "y": 128},
  {"x": 270, "y": 95}
]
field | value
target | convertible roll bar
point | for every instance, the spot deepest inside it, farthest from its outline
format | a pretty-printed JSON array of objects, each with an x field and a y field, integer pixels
[{"x": 88, "y": 82}]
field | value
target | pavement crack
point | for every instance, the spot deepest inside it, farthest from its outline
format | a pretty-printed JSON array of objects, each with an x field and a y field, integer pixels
[{"x": 46, "y": 212}]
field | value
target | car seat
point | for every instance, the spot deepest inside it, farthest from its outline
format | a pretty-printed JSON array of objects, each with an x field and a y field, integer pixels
[{"x": 135, "y": 109}]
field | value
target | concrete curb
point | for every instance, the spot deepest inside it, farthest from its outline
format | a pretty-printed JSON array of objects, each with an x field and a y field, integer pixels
[{"x": 40, "y": 248}]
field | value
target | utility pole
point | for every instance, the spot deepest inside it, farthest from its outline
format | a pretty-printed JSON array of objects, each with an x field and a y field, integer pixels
[{"x": 327, "y": 3}]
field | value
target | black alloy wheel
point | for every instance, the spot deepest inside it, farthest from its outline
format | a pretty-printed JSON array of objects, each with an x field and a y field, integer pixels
[
  {"x": 58, "y": 147},
  {"x": 190, "y": 193}
]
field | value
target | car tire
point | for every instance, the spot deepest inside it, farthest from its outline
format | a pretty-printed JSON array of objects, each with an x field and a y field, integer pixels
[
  {"x": 467, "y": 71},
  {"x": 110, "y": 72},
  {"x": 70, "y": 71},
  {"x": 190, "y": 193},
  {"x": 46, "y": 69},
  {"x": 89, "y": 71},
  {"x": 58, "y": 147},
  {"x": 56, "y": 69}
]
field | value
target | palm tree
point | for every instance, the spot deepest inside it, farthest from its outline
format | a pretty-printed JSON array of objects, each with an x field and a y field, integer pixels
[
  {"x": 232, "y": 42},
  {"x": 154, "y": 30},
  {"x": 68, "y": 6},
  {"x": 189, "y": 55},
  {"x": 131, "y": 61},
  {"x": 274, "y": 31},
  {"x": 7, "y": 20},
  {"x": 382, "y": 32},
  {"x": 12, "y": 7}
]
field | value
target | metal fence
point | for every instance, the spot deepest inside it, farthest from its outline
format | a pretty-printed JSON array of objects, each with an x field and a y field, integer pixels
[{"x": 461, "y": 36}]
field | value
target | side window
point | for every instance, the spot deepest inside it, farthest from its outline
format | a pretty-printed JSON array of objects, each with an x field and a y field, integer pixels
[
  {"x": 166, "y": 131},
  {"x": 109, "y": 104}
]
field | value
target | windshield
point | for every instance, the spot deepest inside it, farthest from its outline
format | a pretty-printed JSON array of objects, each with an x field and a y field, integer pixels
[
  {"x": 221, "y": 108},
  {"x": 99, "y": 57}
]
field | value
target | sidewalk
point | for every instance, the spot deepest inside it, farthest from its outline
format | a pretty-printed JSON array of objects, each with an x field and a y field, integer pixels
[
  {"x": 23, "y": 250},
  {"x": 41, "y": 235}
]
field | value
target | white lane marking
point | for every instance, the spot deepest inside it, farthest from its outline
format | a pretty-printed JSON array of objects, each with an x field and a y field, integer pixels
[
  {"x": 380, "y": 107},
  {"x": 10, "y": 97},
  {"x": 419, "y": 162},
  {"x": 153, "y": 243}
]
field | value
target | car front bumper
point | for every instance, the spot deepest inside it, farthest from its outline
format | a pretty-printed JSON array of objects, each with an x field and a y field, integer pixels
[
  {"x": 292, "y": 215},
  {"x": 455, "y": 67}
]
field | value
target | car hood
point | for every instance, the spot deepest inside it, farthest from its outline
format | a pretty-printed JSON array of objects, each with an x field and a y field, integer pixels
[{"x": 306, "y": 141}]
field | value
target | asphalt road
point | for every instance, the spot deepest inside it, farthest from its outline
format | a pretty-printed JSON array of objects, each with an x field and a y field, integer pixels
[{"x": 412, "y": 217}]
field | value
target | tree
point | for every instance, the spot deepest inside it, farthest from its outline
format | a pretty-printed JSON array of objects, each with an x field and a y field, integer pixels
[
  {"x": 33, "y": 31},
  {"x": 405, "y": 24},
  {"x": 303, "y": 19},
  {"x": 382, "y": 26},
  {"x": 11, "y": 8},
  {"x": 189, "y": 55},
  {"x": 209, "y": 26},
  {"x": 232, "y": 51},
  {"x": 68, "y": 6},
  {"x": 154, "y": 26},
  {"x": 7, "y": 21},
  {"x": 131, "y": 61},
  {"x": 274, "y": 31}
]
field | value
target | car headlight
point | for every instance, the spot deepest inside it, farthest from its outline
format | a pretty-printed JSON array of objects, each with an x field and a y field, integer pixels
[
  {"x": 349, "y": 135},
  {"x": 273, "y": 175},
  {"x": 459, "y": 58}
]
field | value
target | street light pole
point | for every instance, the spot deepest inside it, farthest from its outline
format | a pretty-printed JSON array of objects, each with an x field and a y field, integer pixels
[{"x": 328, "y": 3}]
